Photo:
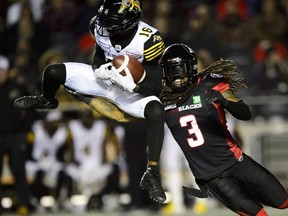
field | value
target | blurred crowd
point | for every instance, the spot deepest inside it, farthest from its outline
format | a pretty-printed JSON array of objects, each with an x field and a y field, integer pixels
[{"x": 73, "y": 150}]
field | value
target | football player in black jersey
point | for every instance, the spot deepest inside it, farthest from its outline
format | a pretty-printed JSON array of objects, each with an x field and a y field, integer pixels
[
  {"x": 195, "y": 105},
  {"x": 117, "y": 30}
]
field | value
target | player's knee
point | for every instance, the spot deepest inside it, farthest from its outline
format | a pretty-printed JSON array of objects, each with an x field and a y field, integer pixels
[
  {"x": 249, "y": 207},
  {"x": 154, "y": 111},
  {"x": 55, "y": 73},
  {"x": 284, "y": 205}
]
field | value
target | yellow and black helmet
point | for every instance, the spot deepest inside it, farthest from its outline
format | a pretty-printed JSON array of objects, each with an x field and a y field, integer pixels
[{"x": 117, "y": 16}]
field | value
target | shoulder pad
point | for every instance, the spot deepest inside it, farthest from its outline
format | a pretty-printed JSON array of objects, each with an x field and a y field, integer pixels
[
  {"x": 154, "y": 47},
  {"x": 213, "y": 79}
]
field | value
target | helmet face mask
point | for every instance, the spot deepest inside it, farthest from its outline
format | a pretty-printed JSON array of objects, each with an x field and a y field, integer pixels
[
  {"x": 117, "y": 16},
  {"x": 179, "y": 67},
  {"x": 177, "y": 75}
]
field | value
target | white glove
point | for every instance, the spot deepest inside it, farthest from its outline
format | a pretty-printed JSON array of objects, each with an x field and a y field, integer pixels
[
  {"x": 125, "y": 82},
  {"x": 103, "y": 72}
]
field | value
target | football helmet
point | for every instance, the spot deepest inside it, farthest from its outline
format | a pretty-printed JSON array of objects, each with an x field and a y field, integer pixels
[
  {"x": 179, "y": 67},
  {"x": 116, "y": 16}
]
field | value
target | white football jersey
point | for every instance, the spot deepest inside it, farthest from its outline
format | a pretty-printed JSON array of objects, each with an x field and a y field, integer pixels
[{"x": 136, "y": 48}]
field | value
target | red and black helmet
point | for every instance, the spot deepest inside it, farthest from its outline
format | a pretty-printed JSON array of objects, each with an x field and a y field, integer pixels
[{"x": 179, "y": 61}]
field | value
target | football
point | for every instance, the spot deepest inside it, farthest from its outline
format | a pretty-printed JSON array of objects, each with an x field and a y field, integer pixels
[{"x": 126, "y": 63}]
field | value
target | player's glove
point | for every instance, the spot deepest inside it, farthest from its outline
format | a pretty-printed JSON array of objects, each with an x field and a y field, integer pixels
[
  {"x": 126, "y": 82},
  {"x": 216, "y": 96},
  {"x": 104, "y": 71}
]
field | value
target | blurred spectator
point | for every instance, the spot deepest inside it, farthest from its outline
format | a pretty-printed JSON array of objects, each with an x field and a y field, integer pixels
[
  {"x": 14, "y": 10},
  {"x": 164, "y": 13},
  {"x": 117, "y": 180},
  {"x": 98, "y": 161},
  {"x": 234, "y": 35},
  {"x": 24, "y": 68},
  {"x": 30, "y": 31},
  {"x": 270, "y": 23},
  {"x": 225, "y": 7},
  {"x": 163, "y": 24},
  {"x": 86, "y": 46},
  {"x": 199, "y": 30},
  {"x": 26, "y": 41},
  {"x": 204, "y": 59},
  {"x": 271, "y": 62},
  {"x": 88, "y": 9},
  {"x": 232, "y": 26},
  {"x": 59, "y": 19},
  {"x": 46, "y": 167},
  {"x": 13, "y": 129}
]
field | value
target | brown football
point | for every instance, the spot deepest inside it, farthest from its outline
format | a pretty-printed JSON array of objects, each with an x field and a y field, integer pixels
[{"x": 128, "y": 63}]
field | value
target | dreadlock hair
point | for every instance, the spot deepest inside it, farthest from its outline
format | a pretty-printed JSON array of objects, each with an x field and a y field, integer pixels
[
  {"x": 221, "y": 67},
  {"x": 228, "y": 71}
]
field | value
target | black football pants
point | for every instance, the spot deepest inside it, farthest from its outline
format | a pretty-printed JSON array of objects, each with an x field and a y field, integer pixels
[{"x": 245, "y": 186}]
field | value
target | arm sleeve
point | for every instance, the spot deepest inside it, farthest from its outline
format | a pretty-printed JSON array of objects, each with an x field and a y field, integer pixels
[
  {"x": 238, "y": 109},
  {"x": 98, "y": 58},
  {"x": 153, "y": 48},
  {"x": 152, "y": 82}
]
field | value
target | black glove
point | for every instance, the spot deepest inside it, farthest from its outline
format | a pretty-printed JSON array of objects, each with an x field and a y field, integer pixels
[{"x": 216, "y": 96}]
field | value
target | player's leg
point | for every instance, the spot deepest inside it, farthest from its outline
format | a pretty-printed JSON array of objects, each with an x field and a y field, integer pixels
[
  {"x": 228, "y": 191},
  {"x": 263, "y": 184},
  {"x": 155, "y": 115},
  {"x": 151, "y": 109},
  {"x": 53, "y": 77},
  {"x": 76, "y": 76}
]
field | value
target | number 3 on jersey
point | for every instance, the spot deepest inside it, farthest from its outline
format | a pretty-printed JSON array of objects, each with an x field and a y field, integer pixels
[{"x": 196, "y": 137}]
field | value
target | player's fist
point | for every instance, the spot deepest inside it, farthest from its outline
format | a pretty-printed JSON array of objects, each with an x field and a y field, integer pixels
[
  {"x": 104, "y": 71},
  {"x": 215, "y": 96}
]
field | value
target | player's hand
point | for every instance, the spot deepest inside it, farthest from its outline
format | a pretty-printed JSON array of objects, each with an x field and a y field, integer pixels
[
  {"x": 215, "y": 96},
  {"x": 126, "y": 82},
  {"x": 104, "y": 71}
]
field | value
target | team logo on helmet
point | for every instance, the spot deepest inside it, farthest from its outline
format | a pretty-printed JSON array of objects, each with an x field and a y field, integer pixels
[{"x": 133, "y": 5}]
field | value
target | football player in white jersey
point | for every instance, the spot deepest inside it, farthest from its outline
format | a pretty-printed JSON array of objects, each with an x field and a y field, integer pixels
[{"x": 117, "y": 30}]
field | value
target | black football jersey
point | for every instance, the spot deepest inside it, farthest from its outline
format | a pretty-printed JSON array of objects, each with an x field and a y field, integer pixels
[{"x": 201, "y": 131}]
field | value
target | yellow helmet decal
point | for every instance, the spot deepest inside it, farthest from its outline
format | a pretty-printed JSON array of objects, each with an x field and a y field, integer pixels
[{"x": 131, "y": 4}]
